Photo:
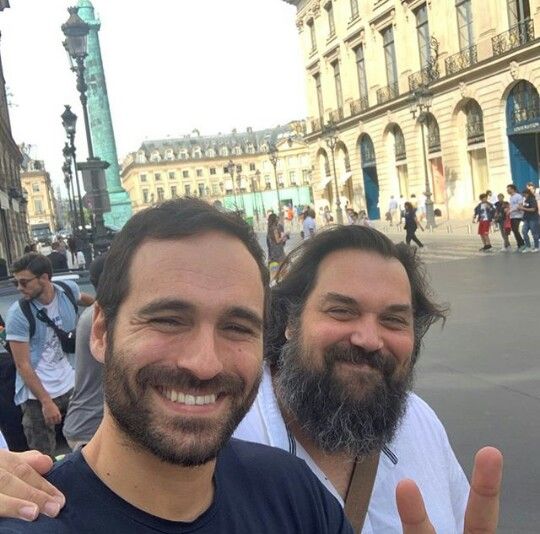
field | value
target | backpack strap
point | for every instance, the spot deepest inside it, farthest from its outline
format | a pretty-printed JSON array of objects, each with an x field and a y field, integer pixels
[
  {"x": 69, "y": 294},
  {"x": 27, "y": 312}
]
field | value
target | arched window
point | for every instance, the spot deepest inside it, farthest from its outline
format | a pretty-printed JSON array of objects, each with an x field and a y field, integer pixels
[
  {"x": 367, "y": 151},
  {"x": 475, "y": 122},
  {"x": 169, "y": 154},
  {"x": 399, "y": 144},
  {"x": 433, "y": 134},
  {"x": 141, "y": 157},
  {"x": 183, "y": 154},
  {"x": 224, "y": 151},
  {"x": 524, "y": 104},
  {"x": 210, "y": 153},
  {"x": 237, "y": 151},
  {"x": 155, "y": 156}
]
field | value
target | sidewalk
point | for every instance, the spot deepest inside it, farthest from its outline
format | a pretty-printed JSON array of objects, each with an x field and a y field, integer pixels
[{"x": 458, "y": 227}]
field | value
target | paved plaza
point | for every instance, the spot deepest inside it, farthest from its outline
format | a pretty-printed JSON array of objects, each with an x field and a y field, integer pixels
[{"x": 481, "y": 373}]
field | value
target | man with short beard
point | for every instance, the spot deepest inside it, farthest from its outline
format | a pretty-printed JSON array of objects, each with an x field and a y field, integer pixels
[
  {"x": 348, "y": 315},
  {"x": 181, "y": 338}
]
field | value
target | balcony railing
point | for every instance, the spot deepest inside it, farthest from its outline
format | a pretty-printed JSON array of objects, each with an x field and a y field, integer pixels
[
  {"x": 424, "y": 77},
  {"x": 515, "y": 37},
  {"x": 385, "y": 94},
  {"x": 336, "y": 115},
  {"x": 357, "y": 106},
  {"x": 315, "y": 125},
  {"x": 462, "y": 60}
]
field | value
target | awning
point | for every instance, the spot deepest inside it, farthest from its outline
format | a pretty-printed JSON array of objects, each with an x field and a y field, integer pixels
[
  {"x": 324, "y": 182},
  {"x": 344, "y": 177}
]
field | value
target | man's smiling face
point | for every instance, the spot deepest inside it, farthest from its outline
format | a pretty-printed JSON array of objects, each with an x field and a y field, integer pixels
[{"x": 183, "y": 363}]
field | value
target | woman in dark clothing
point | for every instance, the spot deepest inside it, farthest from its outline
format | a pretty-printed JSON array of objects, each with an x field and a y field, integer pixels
[
  {"x": 275, "y": 241},
  {"x": 411, "y": 224}
]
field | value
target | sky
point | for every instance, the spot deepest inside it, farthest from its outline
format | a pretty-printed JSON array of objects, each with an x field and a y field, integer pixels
[{"x": 171, "y": 66}]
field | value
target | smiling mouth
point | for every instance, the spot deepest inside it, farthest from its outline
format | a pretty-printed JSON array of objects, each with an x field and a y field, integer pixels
[{"x": 187, "y": 399}]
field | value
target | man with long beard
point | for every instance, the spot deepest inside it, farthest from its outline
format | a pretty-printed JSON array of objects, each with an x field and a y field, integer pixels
[
  {"x": 348, "y": 315},
  {"x": 180, "y": 330}
]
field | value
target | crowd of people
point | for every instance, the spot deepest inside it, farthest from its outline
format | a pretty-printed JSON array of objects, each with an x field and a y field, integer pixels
[
  {"x": 64, "y": 255},
  {"x": 517, "y": 216},
  {"x": 187, "y": 348}
]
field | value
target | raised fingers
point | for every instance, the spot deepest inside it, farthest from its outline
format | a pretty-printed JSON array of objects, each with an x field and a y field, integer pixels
[
  {"x": 482, "y": 513},
  {"x": 414, "y": 518}
]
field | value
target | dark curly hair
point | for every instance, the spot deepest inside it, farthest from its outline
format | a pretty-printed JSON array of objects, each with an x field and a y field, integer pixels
[{"x": 298, "y": 275}]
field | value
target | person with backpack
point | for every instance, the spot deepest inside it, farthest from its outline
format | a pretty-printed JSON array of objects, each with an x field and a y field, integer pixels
[{"x": 40, "y": 331}]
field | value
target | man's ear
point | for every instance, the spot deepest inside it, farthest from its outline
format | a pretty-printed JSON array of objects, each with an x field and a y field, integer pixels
[
  {"x": 288, "y": 333},
  {"x": 98, "y": 335}
]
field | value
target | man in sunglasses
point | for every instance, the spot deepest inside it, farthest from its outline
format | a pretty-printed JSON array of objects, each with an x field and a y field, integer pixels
[{"x": 45, "y": 375}]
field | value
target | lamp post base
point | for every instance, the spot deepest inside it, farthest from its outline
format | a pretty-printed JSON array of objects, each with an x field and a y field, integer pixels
[
  {"x": 430, "y": 214},
  {"x": 339, "y": 215}
]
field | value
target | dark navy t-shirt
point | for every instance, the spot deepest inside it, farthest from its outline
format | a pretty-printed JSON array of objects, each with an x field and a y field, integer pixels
[{"x": 258, "y": 490}]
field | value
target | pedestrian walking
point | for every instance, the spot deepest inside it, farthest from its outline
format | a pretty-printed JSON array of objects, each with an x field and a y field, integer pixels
[
  {"x": 392, "y": 209},
  {"x": 411, "y": 225},
  {"x": 275, "y": 242},
  {"x": 516, "y": 215},
  {"x": 57, "y": 258},
  {"x": 309, "y": 227},
  {"x": 483, "y": 215},
  {"x": 529, "y": 207},
  {"x": 502, "y": 220}
]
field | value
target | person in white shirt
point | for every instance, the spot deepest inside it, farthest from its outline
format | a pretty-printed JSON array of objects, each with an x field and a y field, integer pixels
[
  {"x": 309, "y": 226},
  {"x": 516, "y": 215},
  {"x": 336, "y": 388}
]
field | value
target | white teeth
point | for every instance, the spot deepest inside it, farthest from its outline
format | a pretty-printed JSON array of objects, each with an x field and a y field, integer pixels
[{"x": 189, "y": 400}]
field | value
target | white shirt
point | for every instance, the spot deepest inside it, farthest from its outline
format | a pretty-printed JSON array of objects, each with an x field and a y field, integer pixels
[
  {"x": 3, "y": 444},
  {"x": 309, "y": 227},
  {"x": 515, "y": 200},
  {"x": 423, "y": 455},
  {"x": 53, "y": 369}
]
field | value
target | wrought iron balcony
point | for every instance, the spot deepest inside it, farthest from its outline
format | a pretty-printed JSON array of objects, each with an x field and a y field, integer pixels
[
  {"x": 515, "y": 37},
  {"x": 315, "y": 125},
  {"x": 385, "y": 94},
  {"x": 336, "y": 115},
  {"x": 475, "y": 131},
  {"x": 357, "y": 106},
  {"x": 425, "y": 76},
  {"x": 462, "y": 60}
]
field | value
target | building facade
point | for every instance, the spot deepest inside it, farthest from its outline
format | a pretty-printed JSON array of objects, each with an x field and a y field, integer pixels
[
  {"x": 41, "y": 207},
  {"x": 366, "y": 60},
  {"x": 13, "y": 226},
  {"x": 234, "y": 169}
]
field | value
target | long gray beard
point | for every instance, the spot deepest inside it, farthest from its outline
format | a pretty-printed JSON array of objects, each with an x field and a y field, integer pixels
[{"x": 329, "y": 413}]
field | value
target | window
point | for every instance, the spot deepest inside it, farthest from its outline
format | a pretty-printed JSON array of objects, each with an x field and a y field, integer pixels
[
  {"x": 475, "y": 123},
  {"x": 312, "y": 34},
  {"x": 187, "y": 190},
  {"x": 292, "y": 177},
  {"x": 337, "y": 83},
  {"x": 390, "y": 55},
  {"x": 268, "y": 183},
  {"x": 143, "y": 177},
  {"x": 238, "y": 169},
  {"x": 226, "y": 169},
  {"x": 172, "y": 176},
  {"x": 399, "y": 144},
  {"x": 224, "y": 151},
  {"x": 160, "y": 194},
  {"x": 252, "y": 166},
  {"x": 199, "y": 173},
  {"x": 465, "y": 24},
  {"x": 174, "y": 193},
  {"x": 318, "y": 88},
  {"x": 212, "y": 171},
  {"x": 434, "y": 138},
  {"x": 38, "y": 205},
  {"x": 250, "y": 149},
  {"x": 361, "y": 71},
  {"x": 157, "y": 177},
  {"x": 155, "y": 156},
  {"x": 141, "y": 157},
  {"x": 201, "y": 189},
  {"x": 183, "y": 154},
  {"x": 185, "y": 174},
  {"x": 215, "y": 189},
  {"x": 145, "y": 196},
  {"x": 518, "y": 11},
  {"x": 197, "y": 153},
  {"x": 331, "y": 21},
  {"x": 354, "y": 9},
  {"x": 210, "y": 153},
  {"x": 280, "y": 179},
  {"x": 292, "y": 161},
  {"x": 305, "y": 176},
  {"x": 422, "y": 31},
  {"x": 169, "y": 154},
  {"x": 35, "y": 187}
]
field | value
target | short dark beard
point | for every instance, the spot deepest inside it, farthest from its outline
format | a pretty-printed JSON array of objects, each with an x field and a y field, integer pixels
[
  {"x": 174, "y": 440},
  {"x": 331, "y": 412}
]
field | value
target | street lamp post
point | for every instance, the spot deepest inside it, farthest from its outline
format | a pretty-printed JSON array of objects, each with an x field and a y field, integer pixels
[
  {"x": 231, "y": 169},
  {"x": 331, "y": 139},
  {"x": 76, "y": 32},
  {"x": 68, "y": 181},
  {"x": 420, "y": 105},
  {"x": 273, "y": 157}
]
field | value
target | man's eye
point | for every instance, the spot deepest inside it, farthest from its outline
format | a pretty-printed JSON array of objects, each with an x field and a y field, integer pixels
[
  {"x": 239, "y": 329},
  {"x": 166, "y": 321},
  {"x": 340, "y": 312},
  {"x": 397, "y": 320}
]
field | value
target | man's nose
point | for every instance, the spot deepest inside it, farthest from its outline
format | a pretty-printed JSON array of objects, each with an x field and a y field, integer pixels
[
  {"x": 200, "y": 354},
  {"x": 367, "y": 334}
]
